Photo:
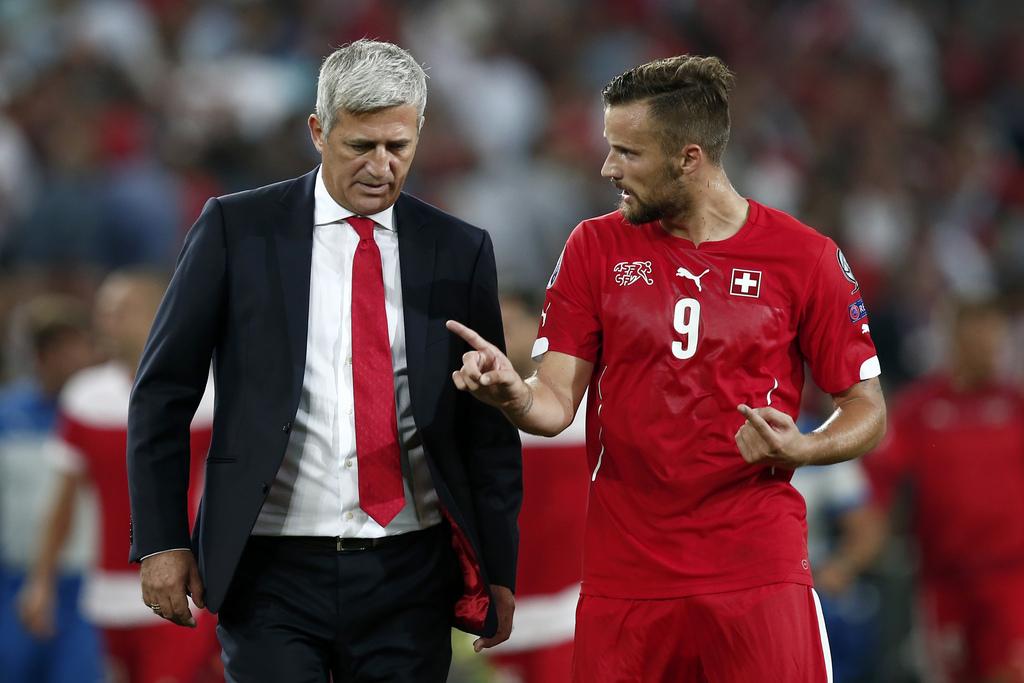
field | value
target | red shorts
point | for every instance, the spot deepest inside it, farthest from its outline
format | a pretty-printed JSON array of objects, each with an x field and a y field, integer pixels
[
  {"x": 767, "y": 634},
  {"x": 164, "y": 652},
  {"x": 975, "y": 629}
]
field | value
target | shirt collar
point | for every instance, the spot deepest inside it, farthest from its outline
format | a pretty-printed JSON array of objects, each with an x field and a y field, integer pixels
[{"x": 327, "y": 211}]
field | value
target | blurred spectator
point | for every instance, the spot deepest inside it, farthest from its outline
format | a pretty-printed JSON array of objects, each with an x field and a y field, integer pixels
[
  {"x": 68, "y": 649},
  {"x": 551, "y": 523},
  {"x": 92, "y": 429},
  {"x": 957, "y": 439}
]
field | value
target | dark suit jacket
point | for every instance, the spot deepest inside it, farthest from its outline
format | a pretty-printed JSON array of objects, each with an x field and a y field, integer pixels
[{"x": 240, "y": 294}]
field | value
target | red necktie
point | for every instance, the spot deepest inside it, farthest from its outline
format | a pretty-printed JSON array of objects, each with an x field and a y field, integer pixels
[{"x": 381, "y": 494}]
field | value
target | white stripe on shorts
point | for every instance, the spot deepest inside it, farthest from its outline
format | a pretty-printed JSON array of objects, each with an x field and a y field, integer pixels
[{"x": 825, "y": 650}]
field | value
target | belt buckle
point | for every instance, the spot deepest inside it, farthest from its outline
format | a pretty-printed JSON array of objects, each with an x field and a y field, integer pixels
[{"x": 353, "y": 544}]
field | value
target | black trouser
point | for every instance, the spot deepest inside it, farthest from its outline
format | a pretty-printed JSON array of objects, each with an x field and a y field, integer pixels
[{"x": 300, "y": 611}]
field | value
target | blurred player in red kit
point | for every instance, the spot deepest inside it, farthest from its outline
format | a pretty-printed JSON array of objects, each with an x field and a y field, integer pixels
[
  {"x": 551, "y": 526},
  {"x": 957, "y": 439},
  {"x": 689, "y": 314},
  {"x": 90, "y": 450}
]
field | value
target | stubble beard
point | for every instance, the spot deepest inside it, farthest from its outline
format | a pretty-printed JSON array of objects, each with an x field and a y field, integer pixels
[
  {"x": 673, "y": 201},
  {"x": 669, "y": 205}
]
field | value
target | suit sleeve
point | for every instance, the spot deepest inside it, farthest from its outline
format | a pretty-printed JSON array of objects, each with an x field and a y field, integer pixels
[
  {"x": 492, "y": 449},
  {"x": 169, "y": 385}
]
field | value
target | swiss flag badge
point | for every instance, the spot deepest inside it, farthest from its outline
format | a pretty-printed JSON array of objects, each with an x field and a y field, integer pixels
[{"x": 745, "y": 283}]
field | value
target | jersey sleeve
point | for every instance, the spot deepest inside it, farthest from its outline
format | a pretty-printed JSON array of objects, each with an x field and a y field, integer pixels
[
  {"x": 833, "y": 335},
  {"x": 569, "y": 321}
]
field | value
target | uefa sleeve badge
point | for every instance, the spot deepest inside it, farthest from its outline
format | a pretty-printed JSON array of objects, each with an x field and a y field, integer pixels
[{"x": 844, "y": 265}]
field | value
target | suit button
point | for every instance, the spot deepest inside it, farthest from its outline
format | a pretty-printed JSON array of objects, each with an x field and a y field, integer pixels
[
  {"x": 265, "y": 489},
  {"x": 286, "y": 427}
]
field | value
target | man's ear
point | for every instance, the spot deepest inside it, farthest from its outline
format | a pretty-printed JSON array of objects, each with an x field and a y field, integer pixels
[
  {"x": 690, "y": 158},
  {"x": 316, "y": 132}
]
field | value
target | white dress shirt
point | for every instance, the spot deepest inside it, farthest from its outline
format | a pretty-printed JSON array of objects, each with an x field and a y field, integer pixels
[{"x": 316, "y": 492}]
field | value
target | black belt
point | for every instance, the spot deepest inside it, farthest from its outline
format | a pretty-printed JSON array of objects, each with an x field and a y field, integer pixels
[{"x": 338, "y": 544}]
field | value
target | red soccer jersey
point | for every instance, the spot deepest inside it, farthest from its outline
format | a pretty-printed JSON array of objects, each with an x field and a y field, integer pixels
[
  {"x": 962, "y": 452},
  {"x": 680, "y": 335},
  {"x": 92, "y": 430}
]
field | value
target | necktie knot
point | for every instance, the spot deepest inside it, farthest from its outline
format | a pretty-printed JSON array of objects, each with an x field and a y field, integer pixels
[{"x": 363, "y": 227}]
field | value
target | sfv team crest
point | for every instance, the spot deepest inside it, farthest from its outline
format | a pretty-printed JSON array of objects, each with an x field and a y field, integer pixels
[{"x": 628, "y": 272}]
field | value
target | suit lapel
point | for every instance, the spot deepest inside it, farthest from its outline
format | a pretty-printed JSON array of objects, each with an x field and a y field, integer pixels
[
  {"x": 295, "y": 257},
  {"x": 416, "y": 246}
]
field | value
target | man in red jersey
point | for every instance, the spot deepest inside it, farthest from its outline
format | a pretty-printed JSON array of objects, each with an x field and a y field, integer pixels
[
  {"x": 957, "y": 439},
  {"x": 92, "y": 425},
  {"x": 689, "y": 313}
]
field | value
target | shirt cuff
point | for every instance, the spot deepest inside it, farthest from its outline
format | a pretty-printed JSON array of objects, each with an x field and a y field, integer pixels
[{"x": 161, "y": 552}]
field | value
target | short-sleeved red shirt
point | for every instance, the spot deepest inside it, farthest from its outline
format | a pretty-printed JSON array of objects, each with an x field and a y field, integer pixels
[
  {"x": 962, "y": 453},
  {"x": 680, "y": 335}
]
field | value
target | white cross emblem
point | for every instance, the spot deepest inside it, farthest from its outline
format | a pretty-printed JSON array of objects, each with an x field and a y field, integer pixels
[
  {"x": 745, "y": 283},
  {"x": 683, "y": 272}
]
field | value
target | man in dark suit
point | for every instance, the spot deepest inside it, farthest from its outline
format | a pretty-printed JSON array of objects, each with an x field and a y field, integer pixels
[{"x": 356, "y": 504}]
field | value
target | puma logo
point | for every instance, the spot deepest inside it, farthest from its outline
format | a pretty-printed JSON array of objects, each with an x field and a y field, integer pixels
[{"x": 683, "y": 272}]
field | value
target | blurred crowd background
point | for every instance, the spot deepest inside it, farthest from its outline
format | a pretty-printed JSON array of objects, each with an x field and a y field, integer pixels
[{"x": 894, "y": 126}]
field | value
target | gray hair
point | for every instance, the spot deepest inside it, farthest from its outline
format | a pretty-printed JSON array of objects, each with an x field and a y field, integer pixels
[{"x": 368, "y": 75}]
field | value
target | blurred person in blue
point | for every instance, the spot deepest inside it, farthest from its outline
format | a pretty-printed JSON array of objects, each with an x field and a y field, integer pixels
[
  {"x": 56, "y": 329},
  {"x": 356, "y": 505}
]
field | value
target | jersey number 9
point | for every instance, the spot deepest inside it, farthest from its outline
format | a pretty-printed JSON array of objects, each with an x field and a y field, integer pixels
[{"x": 686, "y": 322}]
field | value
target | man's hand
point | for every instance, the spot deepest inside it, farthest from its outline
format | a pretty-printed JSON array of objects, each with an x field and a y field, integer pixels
[
  {"x": 36, "y": 608},
  {"x": 167, "y": 578},
  {"x": 488, "y": 374},
  {"x": 505, "y": 604},
  {"x": 771, "y": 435}
]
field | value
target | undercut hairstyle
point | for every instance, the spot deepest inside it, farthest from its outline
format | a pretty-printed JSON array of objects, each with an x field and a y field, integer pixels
[
  {"x": 367, "y": 76},
  {"x": 688, "y": 98}
]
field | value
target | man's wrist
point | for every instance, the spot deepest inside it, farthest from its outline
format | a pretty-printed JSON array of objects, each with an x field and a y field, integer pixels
[
  {"x": 805, "y": 448},
  {"x": 519, "y": 408}
]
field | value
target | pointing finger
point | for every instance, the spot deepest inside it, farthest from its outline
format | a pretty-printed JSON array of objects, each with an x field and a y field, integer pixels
[
  {"x": 775, "y": 418},
  {"x": 757, "y": 422},
  {"x": 469, "y": 336}
]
